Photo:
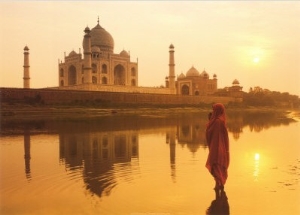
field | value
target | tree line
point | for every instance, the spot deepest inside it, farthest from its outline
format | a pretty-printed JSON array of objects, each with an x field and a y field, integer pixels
[{"x": 271, "y": 98}]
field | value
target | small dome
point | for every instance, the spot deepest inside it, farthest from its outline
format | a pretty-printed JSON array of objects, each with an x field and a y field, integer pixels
[
  {"x": 95, "y": 49},
  {"x": 192, "y": 72},
  {"x": 181, "y": 76},
  {"x": 171, "y": 46},
  {"x": 204, "y": 74},
  {"x": 214, "y": 76},
  {"x": 72, "y": 53},
  {"x": 26, "y": 48},
  {"x": 87, "y": 30},
  {"x": 101, "y": 38},
  {"x": 235, "y": 82},
  {"x": 124, "y": 53}
]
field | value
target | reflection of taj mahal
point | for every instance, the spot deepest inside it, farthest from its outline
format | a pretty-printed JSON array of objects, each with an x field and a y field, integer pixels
[
  {"x": 100, "y": 69},
  {"x": 103, "y": 150},
  {"x": 102, "y": 146},
  {"x": 99, "y": 153}
]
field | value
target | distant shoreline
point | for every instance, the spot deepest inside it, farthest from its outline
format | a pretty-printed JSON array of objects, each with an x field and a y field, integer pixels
[{"x": 27, "y": 112}]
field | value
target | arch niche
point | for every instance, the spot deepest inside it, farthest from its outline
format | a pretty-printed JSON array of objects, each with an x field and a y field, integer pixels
[
  {"x": 61, "y": 72},
  {"x": 94, "y": 68},
  {"x": 132, "y": 82},
  {"x": 104, "y": 80},
  {"x": 94, "y": 80},
  {"x": 185, "y": 90},
  {"x": 119, "y": 75},
  {"x": 72, "y": 76},
  {"x": 133, "y": 71},
  {"x": 104, "y": 68}
]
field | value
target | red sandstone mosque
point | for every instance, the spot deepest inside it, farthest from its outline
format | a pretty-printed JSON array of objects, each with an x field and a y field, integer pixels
[{"x": 98, "y": 68}]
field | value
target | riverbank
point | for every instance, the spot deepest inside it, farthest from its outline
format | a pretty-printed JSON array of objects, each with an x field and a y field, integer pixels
[
  {"x": 30, "y": 112},
  {"x": 24, "y": 112}
]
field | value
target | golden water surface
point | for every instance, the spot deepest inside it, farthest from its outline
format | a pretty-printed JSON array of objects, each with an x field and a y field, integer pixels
[{"x": 148, "y": 165}]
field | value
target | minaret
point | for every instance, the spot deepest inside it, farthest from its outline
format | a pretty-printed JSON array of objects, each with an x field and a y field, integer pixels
[
  {"x": 87, "y": 52},
  {"x": 26, "y": 78},
  {"x": 171, "y": 68}
]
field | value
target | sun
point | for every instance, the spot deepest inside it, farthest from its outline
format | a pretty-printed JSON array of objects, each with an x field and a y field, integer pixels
[{"x": 256, "y": 59}]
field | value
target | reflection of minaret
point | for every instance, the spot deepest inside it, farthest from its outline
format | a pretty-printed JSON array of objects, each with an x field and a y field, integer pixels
[
  {"x": 27, "y": 153},
  {"x": 172, "y": 143}
]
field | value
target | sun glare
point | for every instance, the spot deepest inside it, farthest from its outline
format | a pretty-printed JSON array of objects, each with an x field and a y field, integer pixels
[
  {"x": 251, "y": 56},
  {"x": 256, "y": 59}
]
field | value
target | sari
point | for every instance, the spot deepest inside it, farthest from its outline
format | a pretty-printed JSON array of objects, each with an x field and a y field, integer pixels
[{"x": 218, "y": 143}]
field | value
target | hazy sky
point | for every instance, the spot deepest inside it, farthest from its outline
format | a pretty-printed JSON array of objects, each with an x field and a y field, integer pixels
[{"x": 256, "y": 42}]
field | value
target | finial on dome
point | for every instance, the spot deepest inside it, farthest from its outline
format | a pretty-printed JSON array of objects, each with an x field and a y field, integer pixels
[{"x": 98, "y": 20}]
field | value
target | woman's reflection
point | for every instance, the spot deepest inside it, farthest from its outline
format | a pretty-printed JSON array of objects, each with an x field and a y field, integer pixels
[{"x": 219, "y": 205}]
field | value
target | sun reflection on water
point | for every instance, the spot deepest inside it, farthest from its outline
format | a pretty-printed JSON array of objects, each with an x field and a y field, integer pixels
[{"x": 256, "y": 166}]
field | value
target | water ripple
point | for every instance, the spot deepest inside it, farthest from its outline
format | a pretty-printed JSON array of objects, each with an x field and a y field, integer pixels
[{"x": 293, "y": 170}]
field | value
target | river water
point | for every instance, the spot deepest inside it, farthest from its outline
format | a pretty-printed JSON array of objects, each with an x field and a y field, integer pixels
[{"x": 148, "y": 164}]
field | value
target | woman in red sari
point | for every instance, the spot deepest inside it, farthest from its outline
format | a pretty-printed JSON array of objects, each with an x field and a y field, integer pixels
[{"x": 217, "y": 139}]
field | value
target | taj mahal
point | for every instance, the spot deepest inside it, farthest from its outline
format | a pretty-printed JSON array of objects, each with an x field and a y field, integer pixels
[{"x": 99, "y": 68}]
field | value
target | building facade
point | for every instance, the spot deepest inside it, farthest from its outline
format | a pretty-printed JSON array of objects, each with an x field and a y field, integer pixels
[
  {"x": 194, "y": 83},
  {"x": 98, "y": 68},
  {"x": 98, "y": 64}
]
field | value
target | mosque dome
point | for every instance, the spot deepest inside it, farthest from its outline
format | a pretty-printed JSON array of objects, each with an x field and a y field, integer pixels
[
  {"x": 235, "y": 82},
  {"x": 26, "y": 48},
  {"x": 181, "y": 76},
  {"x": 124, "y": 53},
  {"x": 192, "y": 72},
  {"x": 95, "y": 49},
  {"x": 171, "y": 46},
  {"x": 72, "y": 53},
  {"x": 101, "y": 38},
  {"x": 214, "y": 76},
  {"x": 204, "y": 74}
]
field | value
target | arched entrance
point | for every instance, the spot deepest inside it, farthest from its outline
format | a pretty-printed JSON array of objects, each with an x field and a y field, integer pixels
[
  {"x": 72, "y": 77},
  {"x": 185, "y": 90},
  {"x": 119, "y": 75},
  {"x": 132, "y": 82}
]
